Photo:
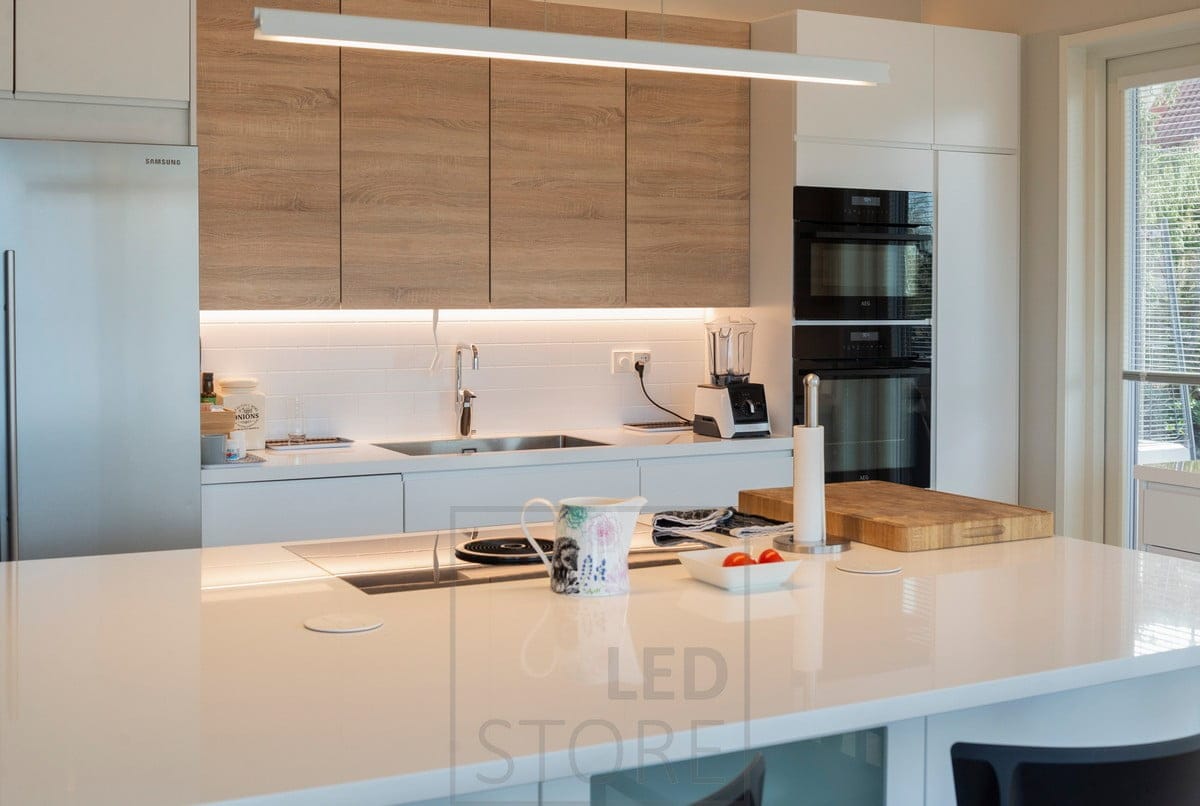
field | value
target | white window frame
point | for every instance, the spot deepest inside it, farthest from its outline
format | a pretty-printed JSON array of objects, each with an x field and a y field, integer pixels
[
  {"x": 1083, "y": 315},
  {"x": 1127, "y": 72}
]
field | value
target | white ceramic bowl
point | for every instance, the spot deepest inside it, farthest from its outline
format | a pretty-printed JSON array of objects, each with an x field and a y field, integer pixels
[{"x": 705, "y": 565}]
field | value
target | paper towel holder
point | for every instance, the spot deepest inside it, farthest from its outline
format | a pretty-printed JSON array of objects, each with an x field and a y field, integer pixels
[{"x": 787, "y": 542}]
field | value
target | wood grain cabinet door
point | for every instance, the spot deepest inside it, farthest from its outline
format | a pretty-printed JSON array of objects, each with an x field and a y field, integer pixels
[
  {"x": 688, "y": 174},
  {"x": 558, "y": 168},
  {"x": 415, "y": 168},
  {"x": 267, "y": 129}
]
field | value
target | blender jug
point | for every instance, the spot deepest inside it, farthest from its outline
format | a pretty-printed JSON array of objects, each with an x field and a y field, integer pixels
[{"x": 730, "y": 343}]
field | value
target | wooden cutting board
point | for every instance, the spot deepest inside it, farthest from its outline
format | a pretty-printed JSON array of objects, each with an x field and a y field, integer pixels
[{"x": 903, "y": 518}]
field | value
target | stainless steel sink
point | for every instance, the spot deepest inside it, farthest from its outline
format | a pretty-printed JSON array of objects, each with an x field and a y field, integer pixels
[{"x": 439, "y": 447}]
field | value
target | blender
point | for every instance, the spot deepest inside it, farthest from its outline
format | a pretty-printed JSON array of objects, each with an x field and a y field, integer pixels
[{"x": 730, "y": 406}]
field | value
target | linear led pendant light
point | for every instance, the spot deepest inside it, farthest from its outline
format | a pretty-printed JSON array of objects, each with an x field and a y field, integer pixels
[{"x": 376, "y": 33}]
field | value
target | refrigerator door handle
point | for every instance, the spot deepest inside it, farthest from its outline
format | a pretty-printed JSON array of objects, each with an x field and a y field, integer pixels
[{"x": 10, "y": 399}]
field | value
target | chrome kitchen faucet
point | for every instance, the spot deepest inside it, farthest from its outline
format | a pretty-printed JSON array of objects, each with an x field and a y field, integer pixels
[{"x": 465, "y": 397}]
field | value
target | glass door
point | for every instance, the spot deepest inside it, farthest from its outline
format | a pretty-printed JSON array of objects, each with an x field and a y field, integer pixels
[{"x": 1153, "y": 367}]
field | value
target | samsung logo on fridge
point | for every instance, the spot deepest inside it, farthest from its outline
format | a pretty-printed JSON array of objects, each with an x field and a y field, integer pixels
[{"x": 161, "y": 161}]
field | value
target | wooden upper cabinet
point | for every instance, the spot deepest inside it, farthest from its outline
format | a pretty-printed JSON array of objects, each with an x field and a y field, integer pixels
[
  {"x": 688, "y": 174},
  {"x": 415, "y": 168},
  {"x": 558, "y": 168},
  {"x": 267, "y": 127}
]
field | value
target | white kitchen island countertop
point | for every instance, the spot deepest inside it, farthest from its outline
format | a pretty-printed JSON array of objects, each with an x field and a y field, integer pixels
[
  {"x": 368, "y": 459},
  {"x": 186, "y": 676}
]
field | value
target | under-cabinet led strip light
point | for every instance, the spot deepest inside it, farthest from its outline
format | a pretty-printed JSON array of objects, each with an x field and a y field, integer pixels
[{"x": 409, "y": 36}]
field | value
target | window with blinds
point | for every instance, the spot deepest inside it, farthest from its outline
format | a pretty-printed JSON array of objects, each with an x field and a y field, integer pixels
[{"x": 1162, "y": 318}]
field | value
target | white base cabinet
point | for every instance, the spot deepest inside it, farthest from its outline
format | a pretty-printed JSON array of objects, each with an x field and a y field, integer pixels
[
  {"x": 1169, "y": 519},
  {"x": 326, "y": 508},
  {"x": 307, "y": 509},
  {"x": 711, "y": 482},
  {"x": 493, "y": 497},
  {"x": 976, "y": 327}
]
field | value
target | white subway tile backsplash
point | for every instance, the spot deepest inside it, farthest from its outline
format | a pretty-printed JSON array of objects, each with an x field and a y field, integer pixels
[{"x": 371, "y": 380}]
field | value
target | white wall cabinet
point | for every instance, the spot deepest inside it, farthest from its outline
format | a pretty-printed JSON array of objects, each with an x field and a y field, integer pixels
[
  {"x": 308, "y": 509},
  {"x": 121, "y": 49},
  {"x": 492, "y": 497},
  {"x": 976, "y": 325},
  {"x": 6, "y": 47},
  {"x": 901, "y": 111},
  {"x": 977, "y": 88},
  {"x": 950, "y": 87},
  {"x": 850, "y": 165},
  {"x": 711, "y": 481}
]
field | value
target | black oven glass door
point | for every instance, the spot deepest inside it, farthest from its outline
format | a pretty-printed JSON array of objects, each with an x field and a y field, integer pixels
[
  {"x": 877, "y": 424},
  {"x": 863, "y": 275}
]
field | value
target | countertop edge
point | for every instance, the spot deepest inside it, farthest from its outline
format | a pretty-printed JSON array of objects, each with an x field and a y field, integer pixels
[
  {"x": 1168, "y": 473},
  {"x": 374, "y": 464},
  {"x": 798, "y": 726}
]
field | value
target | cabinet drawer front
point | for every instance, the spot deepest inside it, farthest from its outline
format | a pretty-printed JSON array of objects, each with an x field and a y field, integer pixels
[
  {"x": 854, "y": 166},
  {"x": 711, "y": 481},
  {"x": 276, "y": 511},
  {"x": 1169, "y": 518},
  {"x": 494, "y": 497}
]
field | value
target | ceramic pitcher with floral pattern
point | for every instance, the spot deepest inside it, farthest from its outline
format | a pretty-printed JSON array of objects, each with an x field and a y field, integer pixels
[{"x": 591, "y": 544}]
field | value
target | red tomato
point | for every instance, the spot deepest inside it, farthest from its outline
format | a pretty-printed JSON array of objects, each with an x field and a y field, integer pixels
[
  {"x": 738, "y": 558},
  {"x": 770, "y": 556}
]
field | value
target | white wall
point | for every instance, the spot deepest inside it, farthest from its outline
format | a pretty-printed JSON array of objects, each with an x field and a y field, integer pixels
[{"x": 370, "y": 380}]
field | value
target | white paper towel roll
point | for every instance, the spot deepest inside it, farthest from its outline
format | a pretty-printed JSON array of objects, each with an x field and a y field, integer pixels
[{"x": 808, "y": 484}]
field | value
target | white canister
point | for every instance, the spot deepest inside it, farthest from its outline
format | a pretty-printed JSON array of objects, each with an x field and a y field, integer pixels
[{"x": 250, "y": 408}]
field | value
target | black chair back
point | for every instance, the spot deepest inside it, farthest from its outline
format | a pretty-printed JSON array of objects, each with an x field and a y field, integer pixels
[
  {"x": 1159, "y": 774},
  {"x": 746, "y": 788}
]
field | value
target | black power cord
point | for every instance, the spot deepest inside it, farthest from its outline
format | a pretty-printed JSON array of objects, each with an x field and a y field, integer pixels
[{"x": 640, "y": 368}]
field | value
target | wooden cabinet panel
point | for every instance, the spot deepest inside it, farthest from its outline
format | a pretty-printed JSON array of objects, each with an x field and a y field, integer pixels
[
  {"x": 267, "y": 126},
  {"x": 977, "y": 88},
  {"x": 415, "y": 168},
  {"x": 558, "y": 168},
  {"x": 117, "y": 48},
  {"x": 688, "y": 174}
]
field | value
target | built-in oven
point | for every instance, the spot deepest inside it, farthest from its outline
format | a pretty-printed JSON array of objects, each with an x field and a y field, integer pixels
[
  {"x": 875, "y": 398},
  {"x": 863, "y": 254}
]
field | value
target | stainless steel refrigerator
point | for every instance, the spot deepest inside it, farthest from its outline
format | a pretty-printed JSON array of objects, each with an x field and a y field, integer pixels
[{"x": 101, "y": 339}]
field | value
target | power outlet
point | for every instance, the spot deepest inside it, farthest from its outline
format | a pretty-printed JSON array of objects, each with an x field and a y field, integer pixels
[{"x": 624, "y": 360}]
